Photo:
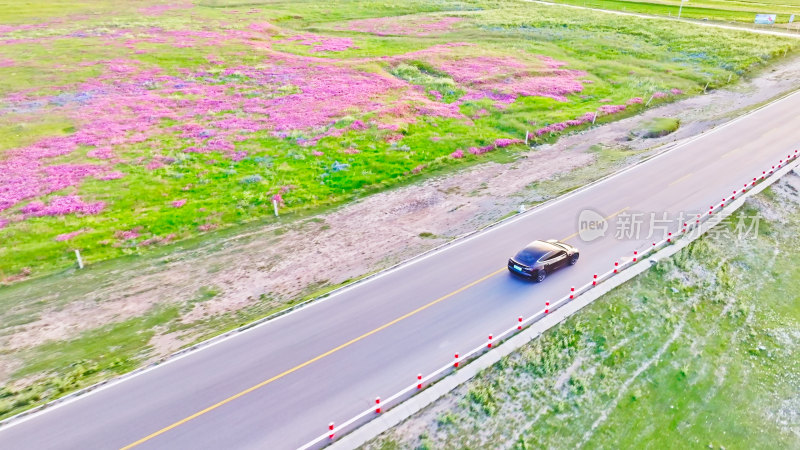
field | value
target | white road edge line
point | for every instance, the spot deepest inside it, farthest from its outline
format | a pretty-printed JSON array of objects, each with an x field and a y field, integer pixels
[{"x": 194, "y": 350}]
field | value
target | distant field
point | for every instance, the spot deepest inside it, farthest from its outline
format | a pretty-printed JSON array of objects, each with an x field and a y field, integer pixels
[
  {"x": 702, "y": 351},
  {"x": 125, "y": 127},
  {"x": 720, "y": 10}
]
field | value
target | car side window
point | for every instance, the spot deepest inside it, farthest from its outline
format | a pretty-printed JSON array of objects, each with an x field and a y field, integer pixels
[
  {"x": 548, "y": 256},
  {"x": 554, "y": 255}
]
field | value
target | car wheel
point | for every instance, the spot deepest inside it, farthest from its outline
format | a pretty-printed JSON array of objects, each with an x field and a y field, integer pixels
[
  {"x": 540, "y": 276},
  {"x": 573, "y": 259}
]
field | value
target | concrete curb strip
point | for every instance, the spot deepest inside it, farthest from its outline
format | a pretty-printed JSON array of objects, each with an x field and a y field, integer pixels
[{"x": 406, "y": 409}]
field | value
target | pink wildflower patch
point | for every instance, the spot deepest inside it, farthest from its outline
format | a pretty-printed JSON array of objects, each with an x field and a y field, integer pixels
[
  {"x": 264, "y": 27},
  {"x": 458, "y": 154},
  {"x": 66, "y": 175},
  {"x": 436, "y": 138},
  {"x": 551, "y": 63},
  {"x": 238, "y": 156},
  {"x": 358, "y": 125},
  {"x": 481, "y": 150},
  {"x": 68, "y": 236},
  {"x": 676, "y": 91},
  {"x": 154, "y": 165},
  {"x": 5, "y": 62},
  {"x": 503, "y": 79},
  {"x": 100, "y": 153},
  {"x": 634, "y": 101},
  {"x": 178, "y": 203},
  {"x": 561, "y": 126},
  {"x": 127, "y": 235},
  {"x": 322, "y": 43},
  {"x": 659, "y": 95},
  {"x": 206, "y": 227},
  {"x": 317, "y": 153},
  {"x": 418, "y": 169},
  {"x": 611, "y": 109},
  {"x": 503, "y": 142},
  {"x": 3, "y": 223},
  {"x": 392, "y": 138},
  {"x": 403, "y": 25},
  {"x": 61, "y": 206},
  {"x": 351, "y": 151},
  {"x": 111, "y": 176}
]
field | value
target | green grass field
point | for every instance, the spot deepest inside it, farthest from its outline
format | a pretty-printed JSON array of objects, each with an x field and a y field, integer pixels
[
  {"x": 128, "y": 128},
  {"x": 718, "y": 10},
  {"x": 701, "y": 351}
]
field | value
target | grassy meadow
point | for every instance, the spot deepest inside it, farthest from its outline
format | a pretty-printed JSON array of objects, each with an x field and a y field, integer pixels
[
  {"x": 702, "y": 351},
  {"x": 126, "y": 128},
  {"x": 718, "y": 10}
]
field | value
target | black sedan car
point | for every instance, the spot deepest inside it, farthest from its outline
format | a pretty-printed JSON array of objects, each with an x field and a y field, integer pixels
[{"x": 540, "y": 258}]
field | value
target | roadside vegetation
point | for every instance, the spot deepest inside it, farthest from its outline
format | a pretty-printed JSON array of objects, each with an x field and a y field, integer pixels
[
  {"x": 658, "y": 127},
  {"x": 701, "y": 351},
  {"x": 125, "y": 132}
]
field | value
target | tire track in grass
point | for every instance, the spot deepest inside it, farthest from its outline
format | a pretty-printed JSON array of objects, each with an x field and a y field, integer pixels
[
  {"x": 627, "y": 384},
  {"x": 562, "y": 378}
]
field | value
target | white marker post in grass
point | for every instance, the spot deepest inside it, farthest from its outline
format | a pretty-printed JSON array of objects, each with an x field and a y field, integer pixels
[
  {"x": 648, "y": 102},
  {"x": 275, "y": 206},
  {"x": 706, "y": 87},
  {"x": 80, "y": 261},
  {"x": 594, "y": 118},
  {"x": 680, "y": 8},
  {"x": 526, "y": 137}
]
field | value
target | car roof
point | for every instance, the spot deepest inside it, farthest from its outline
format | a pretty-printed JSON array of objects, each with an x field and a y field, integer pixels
[{"x": 542, "y": 246}]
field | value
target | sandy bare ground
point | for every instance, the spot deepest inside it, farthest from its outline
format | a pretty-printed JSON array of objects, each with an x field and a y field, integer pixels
[{"x": 278, "y": 263}]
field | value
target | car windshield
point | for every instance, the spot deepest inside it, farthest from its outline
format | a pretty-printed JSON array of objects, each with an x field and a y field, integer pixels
[{"x": 529, "y": 256}]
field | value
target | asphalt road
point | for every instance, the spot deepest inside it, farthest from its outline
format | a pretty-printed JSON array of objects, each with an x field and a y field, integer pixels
[{"x": 278, "y": 385}]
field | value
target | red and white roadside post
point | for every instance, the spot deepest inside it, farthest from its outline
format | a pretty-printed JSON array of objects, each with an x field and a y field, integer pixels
[
  {"x": 547, "y": 309},
  {"x": 489, "y": 345},
  {"x": 419, "y": 381},
  {"x": 455, "y": 364},
  {"x": 377, "y": 405},
  {"x": 330, "y": 431},
  {"x": 519, "y": 323}
]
